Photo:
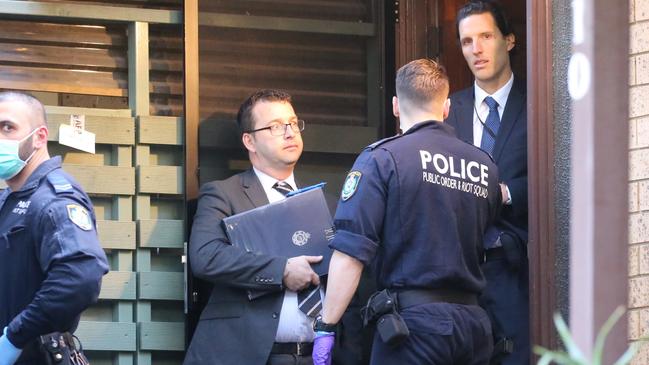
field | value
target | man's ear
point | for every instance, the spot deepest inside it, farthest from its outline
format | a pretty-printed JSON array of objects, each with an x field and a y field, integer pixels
[
  {"x": 41, "y": 137},
  {"x": 511, "y": 41},
  {"x": 395, "y": 106},
  {"x": 248, "y": 142},
  {"x": 447, "y": 107}
]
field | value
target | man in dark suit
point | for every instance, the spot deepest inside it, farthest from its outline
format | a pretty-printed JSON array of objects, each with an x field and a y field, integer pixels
[
  {"x": 492, "y": 114},
  {"x": 269, "y": 329}
]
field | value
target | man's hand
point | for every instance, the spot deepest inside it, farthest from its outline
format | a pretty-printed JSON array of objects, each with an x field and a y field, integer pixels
[
  {"x": 298, "y": 273},
  {"x": 8, "y": 352},
  {"x": 322, "y": 345}
]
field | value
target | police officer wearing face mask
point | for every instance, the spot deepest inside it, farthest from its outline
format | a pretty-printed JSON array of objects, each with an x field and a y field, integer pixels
[
  {"x": 51, "y": 263},
  {"x": 416, "y": 207}
]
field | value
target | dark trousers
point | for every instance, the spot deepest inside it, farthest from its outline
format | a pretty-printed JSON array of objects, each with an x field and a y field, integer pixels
[
  {"x": 440, "y": 334},
  {"x": 282, "y": 359},
  {"x": 506, "y": 298}
]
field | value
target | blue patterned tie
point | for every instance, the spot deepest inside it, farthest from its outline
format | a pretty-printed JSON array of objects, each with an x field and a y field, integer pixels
[{"x": 493, "y": 123}]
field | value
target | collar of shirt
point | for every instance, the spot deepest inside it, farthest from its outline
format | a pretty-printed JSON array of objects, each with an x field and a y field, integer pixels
[
  {"x": 482, "y": 109},
  {"x": 267, "y": 183}
]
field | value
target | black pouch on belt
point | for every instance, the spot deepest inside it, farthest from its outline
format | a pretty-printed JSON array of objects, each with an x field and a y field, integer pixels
[
  {"x": 60, "y": 348},
  {"x": 382, "y": 308}
]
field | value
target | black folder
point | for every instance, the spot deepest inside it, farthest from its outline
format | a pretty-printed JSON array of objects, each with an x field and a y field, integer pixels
[{"x": 299, "y": 225}]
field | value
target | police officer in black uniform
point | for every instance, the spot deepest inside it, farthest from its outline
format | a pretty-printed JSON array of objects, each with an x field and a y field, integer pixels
[
  {"x": 416, "y": 206},
  {"x": 51, "y": 263}
]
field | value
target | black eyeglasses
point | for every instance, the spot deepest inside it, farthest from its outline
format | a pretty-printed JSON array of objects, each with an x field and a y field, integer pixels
[{"x": 279, "y": 129}]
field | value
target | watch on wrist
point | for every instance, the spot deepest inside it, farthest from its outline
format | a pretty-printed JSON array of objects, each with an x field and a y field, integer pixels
[{"x": 319, "y": 325}]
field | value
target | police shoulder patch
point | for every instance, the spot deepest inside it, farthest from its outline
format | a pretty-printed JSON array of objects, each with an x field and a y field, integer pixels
[
  {"x": 351, "y": 185},
  {"x": 79, "y": 216}
]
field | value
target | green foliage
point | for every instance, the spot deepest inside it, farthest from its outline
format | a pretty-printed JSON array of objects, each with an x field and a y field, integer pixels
[{"x": 574, "y": 356}]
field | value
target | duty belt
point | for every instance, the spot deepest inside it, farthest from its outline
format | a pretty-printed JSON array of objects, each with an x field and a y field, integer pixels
[{"x": 409, "y": 298}]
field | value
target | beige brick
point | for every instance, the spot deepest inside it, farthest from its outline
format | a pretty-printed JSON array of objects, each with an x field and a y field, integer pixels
[
  {"x": 639, "y": 101},
  {"x": 643, "y": 259},
  {"x": 632, "y": 70},
  {"x": 639, "y": 165},
  {"x": 641, "y": 10},
  {"x": 633, "y": 134},
  {"x": 631, "y": 11},
  {"x": 641, "y": 69},
  {"x": 641, "y": 132},
  {"x": 643, "y": 323},
  {"x": 641, "y": 357},
  {"x": 639, "y": 227},
  {"x": 633, "y": 260},
  {"x": 639, "y": 292},
  {"x": 634, "y": 199},
  {"x": 634, "y": 324},
  {"x": 639, "y": 34},
  {"x": 643, "y": 195}
]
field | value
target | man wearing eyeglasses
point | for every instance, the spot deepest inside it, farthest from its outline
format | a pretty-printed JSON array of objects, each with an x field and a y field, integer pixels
[{"x": 268, "y": 329}]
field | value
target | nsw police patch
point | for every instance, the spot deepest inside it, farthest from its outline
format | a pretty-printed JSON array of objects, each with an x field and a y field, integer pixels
[
  {"x": 351, "y": 184},
  {"x": 79, "y": 216}
]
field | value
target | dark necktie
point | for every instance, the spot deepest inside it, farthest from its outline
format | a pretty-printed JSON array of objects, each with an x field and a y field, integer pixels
[
  {"x": 492, "y": 124},
  {"x": 309, "y": 300}
]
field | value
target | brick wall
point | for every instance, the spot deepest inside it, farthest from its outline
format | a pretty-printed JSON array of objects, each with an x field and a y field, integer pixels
[{"x": 639, "y": 175}]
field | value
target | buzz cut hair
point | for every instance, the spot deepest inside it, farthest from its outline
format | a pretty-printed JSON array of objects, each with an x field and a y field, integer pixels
[
  {"x": 39, "y": 117},
  {"x": 244, "y": 116},
  {"x": 422, "y": 81}
]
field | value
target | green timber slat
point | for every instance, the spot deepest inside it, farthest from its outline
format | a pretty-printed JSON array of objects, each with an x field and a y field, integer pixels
[
  {"x": 99, "y": 112},
  {"x": 86, "y": 12},
  {"x": 163, "y": 336},
  {"x": 118, "y": 285},
  {"x": 163, "y": 233},
  {"x": 160, "y": 130},
  {"x": 104, "y": 179},
  {"x": 116, "y": 234},
  {"x": 108, "y": 130},
  {"x": 160, "y": 179},
  {"x": 107, "y": 336},
  {"x": 161, "y": 285}
]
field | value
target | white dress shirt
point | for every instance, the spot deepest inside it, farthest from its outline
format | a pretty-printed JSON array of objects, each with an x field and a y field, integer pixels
[{"x": 294, "y": 325}]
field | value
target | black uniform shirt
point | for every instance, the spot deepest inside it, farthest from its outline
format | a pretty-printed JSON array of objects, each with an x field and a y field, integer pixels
[
  {"x": 51, "y": 262},
  {"x": 419, "y": 204}
]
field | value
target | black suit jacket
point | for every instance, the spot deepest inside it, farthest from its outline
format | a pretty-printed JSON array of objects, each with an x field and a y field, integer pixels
[
  {"x": 510, "y": 151},
  {"x": 233, "y": 329}
]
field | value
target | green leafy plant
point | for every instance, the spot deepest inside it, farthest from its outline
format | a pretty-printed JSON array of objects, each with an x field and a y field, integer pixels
[{"x": 573, "y": 355}]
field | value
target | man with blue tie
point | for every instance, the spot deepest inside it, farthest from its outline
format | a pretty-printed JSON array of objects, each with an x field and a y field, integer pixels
[{"x": 492, "y": 114}]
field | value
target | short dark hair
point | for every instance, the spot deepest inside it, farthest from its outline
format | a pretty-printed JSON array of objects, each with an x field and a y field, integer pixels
[
  {"x": 422, "y": 81},
  {"x": 35, "y": 106},
  {"x": 493, "y": 7},
  {"x": 244, "y": 116}
]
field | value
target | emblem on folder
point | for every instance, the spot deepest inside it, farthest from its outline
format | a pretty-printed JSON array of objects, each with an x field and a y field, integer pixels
[{"x": 300, "y": 238}]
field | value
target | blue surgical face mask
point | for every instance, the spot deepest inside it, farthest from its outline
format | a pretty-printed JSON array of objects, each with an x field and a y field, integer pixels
[{"x": 10, "y": 162}]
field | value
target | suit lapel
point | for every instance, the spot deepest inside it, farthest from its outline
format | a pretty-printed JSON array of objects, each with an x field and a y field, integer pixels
[
  {"x": 464, "y": 117},
  {"x": 515, "y": 102},
  {"x": 253, "y": 189}
]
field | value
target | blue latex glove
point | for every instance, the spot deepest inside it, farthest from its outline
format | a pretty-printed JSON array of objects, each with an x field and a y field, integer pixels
[
  {"x": 8, "y": 352},
  {"x": 322, "y": 345}
]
